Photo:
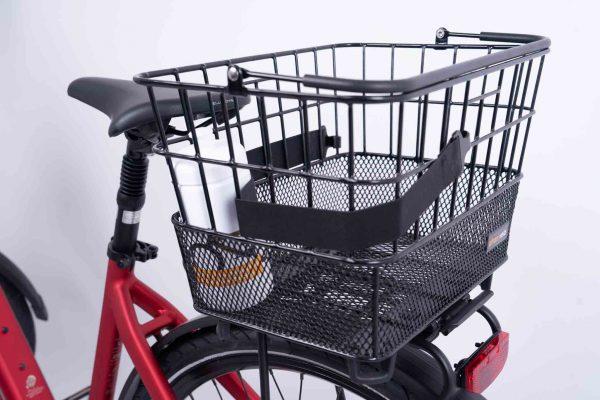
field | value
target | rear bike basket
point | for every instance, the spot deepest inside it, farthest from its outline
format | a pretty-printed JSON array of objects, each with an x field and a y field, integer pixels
[{"x": 367, "y": 203}]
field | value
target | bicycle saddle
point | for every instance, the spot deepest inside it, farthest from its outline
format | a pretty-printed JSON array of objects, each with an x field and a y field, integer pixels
[{"x": 128, "y": 106}]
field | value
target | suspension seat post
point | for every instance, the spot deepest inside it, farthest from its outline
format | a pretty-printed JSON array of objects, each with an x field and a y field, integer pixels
[{"x": 131, "y": 197}]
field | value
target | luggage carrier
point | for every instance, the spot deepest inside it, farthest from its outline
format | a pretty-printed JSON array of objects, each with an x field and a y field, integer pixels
[{"x": 384, "y": 179}]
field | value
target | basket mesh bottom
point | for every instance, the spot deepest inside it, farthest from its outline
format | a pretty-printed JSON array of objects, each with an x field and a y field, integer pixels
[{"x": 358, "y": 309}]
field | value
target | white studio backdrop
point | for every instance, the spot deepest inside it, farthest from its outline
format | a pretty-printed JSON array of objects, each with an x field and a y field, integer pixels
[{"x": 59, "y": 170}]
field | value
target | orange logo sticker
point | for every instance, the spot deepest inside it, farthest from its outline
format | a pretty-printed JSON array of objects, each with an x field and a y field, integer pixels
[{"x": 234, "y": 276}]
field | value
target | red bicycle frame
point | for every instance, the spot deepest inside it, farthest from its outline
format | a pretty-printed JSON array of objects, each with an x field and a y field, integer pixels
[
  {"x": 22, "y": 379},
  {"x": 20, "y": 376}
]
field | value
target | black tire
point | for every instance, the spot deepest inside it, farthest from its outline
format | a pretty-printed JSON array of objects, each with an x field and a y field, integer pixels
[
  {"x": 21, "y": 310},
  {"x": 200, "y": 357}
]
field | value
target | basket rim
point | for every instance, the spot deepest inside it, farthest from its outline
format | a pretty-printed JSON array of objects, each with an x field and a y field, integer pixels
[{"x": 395, "y": 90}]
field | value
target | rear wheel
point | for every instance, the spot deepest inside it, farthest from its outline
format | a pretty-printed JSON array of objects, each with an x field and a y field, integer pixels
[{"x": 194, "y": 365}]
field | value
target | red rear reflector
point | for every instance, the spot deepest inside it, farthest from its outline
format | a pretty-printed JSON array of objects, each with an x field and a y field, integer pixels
[{"x": 487, "y": 364}]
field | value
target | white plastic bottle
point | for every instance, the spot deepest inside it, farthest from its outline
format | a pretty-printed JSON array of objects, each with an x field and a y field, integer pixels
[
  {"x": 248, "y": 280},
  {"x": 219, "y": 180}
]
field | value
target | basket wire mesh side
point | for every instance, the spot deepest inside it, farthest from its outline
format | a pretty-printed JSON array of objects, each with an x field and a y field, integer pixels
[
  {"x": 365, "y": 302},
  {"x": 363, "y": 309}
]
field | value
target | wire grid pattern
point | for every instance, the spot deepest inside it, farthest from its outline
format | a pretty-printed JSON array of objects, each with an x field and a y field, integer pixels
[{"x": 356, "y": 309}]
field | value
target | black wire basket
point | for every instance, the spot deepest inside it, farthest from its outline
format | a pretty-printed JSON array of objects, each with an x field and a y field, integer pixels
[{"x": 367, "y": 203}]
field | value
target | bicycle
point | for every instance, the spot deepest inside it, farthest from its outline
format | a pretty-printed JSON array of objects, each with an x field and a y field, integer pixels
[{"x": 343, "y": 264}]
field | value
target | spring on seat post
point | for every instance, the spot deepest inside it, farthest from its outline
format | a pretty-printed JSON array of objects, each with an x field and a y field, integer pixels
[
  {"x": 130, "y": 198},
  {"x": 133, "y": 176}
]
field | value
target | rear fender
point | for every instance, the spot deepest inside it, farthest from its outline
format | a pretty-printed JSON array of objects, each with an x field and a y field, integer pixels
[{"x": 13, "y": 275}]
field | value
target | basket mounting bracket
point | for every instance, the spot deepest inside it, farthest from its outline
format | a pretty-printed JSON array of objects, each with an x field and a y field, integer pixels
[{"x": 371, "y": 372}]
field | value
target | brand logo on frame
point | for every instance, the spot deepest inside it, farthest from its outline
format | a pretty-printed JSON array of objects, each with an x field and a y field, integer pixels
[
  {"x": 30, "y": 381},
  {"x": 31, "y": 384}
]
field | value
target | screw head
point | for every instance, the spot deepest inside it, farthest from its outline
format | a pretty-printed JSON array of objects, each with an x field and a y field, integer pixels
[
  {"x": 233, "y": 74},
  {"x": 441, "y": 33},
  {"x": 5, "y": 330}
]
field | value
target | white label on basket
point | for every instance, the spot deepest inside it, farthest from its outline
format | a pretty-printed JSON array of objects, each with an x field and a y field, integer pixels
[
  {"x": 131, "y": 217},
  {"x": 497, "y": 236}
]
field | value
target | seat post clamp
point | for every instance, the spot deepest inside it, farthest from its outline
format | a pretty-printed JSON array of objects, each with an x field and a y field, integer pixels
[{"x": 143, "y": 252}]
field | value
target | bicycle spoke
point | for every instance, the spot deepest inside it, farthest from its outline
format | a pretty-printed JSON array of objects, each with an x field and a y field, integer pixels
[
  {"x": 217, "y": 388},
  {"x": 239, "y": 374},
  {"x": 341, "y": 395},
  {"x": 276, "y": 384},
  {"x": 301, "y": 382}
]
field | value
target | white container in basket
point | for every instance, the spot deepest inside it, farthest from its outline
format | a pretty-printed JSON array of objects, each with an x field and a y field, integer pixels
[{"x": 248, "y": 280}]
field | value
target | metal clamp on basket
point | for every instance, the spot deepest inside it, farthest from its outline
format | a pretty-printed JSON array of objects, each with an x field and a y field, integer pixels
[{"x": 350, "y": 229}]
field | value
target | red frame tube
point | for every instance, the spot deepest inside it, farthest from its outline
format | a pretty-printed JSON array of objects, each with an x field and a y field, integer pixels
[
  {"x": 119, "y": 325},
  {"x": 20, "y": 375},
  {"x": 22, "y": 379}
]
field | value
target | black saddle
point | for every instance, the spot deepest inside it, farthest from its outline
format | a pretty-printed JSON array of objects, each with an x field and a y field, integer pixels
[{"x": 127, "y": 104}]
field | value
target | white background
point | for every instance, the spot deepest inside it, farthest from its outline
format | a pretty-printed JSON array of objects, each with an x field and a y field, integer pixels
[{"x": 59, "y": 170}]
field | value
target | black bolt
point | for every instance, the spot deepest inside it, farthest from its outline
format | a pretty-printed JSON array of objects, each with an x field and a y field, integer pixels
[
  {"x": 22, "y": 366},
  {"x": 478, "y": 344},
  {"x": 5, "y": 330}
]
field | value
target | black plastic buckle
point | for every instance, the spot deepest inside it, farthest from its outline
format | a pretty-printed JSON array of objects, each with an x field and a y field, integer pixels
[
  {"x": 371, "y": 372},
  {"x": 333, "y": 141},
  {"x": 143, "y": 252}
]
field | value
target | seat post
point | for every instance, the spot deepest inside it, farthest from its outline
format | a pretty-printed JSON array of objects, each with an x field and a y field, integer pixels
[{"x": 130, "y": 200}]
